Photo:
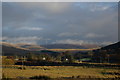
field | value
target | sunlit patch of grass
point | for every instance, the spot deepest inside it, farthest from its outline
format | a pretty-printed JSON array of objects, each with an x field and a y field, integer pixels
[{"x": 57, "y": 71}]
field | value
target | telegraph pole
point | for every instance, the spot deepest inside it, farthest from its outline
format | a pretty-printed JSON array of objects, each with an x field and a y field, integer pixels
[{"x": 23, "y": 58}]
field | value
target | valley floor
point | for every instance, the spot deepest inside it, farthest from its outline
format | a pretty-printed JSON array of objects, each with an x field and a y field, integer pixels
[{"x": 15, "y": 71}]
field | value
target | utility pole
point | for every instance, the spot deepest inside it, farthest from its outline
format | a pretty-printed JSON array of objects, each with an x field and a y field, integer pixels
[
  {"x": 108, "y": 56},
  {"x": 23, "y": 59},
  {"x": 100, "y": 59}
]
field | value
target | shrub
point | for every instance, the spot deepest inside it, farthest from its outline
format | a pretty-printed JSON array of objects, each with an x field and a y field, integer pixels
[
  {"x": 22, "y": 68},
  {"x": 8, "y": 62}
]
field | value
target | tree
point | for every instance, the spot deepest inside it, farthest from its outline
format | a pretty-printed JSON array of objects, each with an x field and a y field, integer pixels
[
  {"x": 31, "y": 57},
  {"x": 44, "y": 57},
  {"x": 67, "y": 57},
  {"x": 58, "y": 58},
  {"x": 77, "y": 56}
]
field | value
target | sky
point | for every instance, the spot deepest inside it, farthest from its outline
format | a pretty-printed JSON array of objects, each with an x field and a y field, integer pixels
[{"x": 60, "y": 22}]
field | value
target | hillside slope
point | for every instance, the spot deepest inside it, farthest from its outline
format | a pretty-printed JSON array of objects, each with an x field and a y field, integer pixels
[
  {"x": 13, "y": 49},
  {"x": 110, "y": 53},
  {"x": 63, "y": 46},
  {"x": 112, "y": 46},
  {"x": 31, "y": 47}
]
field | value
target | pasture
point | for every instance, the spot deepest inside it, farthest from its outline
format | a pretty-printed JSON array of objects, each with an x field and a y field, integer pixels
[{"x": 14, "y": 71}]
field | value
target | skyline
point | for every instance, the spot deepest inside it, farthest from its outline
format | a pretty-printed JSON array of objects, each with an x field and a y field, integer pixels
[{"x": 70, "y": 22}]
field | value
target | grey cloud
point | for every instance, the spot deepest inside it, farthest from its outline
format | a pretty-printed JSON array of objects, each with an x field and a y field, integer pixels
[
  {"x": 67, "y": 34},
  {"x": 31, "y": 28},
  {"x": 54, "y": 7},
  {"x": 69, "y": 41},
  {"x": 93, "y": 35},
  {"x": 81, "y": 42},
  {"x": 13, "y": 15},
  {"x": 66, "y": 21},
  {"x": 29, "y": 39}
]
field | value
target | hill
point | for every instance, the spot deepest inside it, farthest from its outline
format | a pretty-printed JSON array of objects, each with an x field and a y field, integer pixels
[
  {"x": 110, "y": 53},
  {"x": 64, "y": 46},
  {"x": 112, "y": 46},
  {"x": 31, "y": 47},
  {"x": 13, "y": 49}
]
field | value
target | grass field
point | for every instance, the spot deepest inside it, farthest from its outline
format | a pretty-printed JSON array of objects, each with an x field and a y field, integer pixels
[
  {"x": 73, "y": 49},
  {"x": 58, "y": 71}
]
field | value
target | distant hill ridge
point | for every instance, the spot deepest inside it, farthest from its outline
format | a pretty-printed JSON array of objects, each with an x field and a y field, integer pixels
[
  {"x": 110, "y": 53},
  {"x": 111, "y": 49},
  {"x": 70, "y": 46},
  {"x": 30, "y": 46},
  {"x": 112, "y": 46},
  {"x": 11, "y": 45},
  {"x": 13, "y": 49},
  {"x": 35, "y": 47}
]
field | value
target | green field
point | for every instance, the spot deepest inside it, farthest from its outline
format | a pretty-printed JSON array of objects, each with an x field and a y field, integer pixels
[{"x": 58, "y": 71}]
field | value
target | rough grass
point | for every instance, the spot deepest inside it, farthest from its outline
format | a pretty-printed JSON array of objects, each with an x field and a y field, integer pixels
[
  {"x": 72, "y": 49},
  {"x": 57, "y": 71}
]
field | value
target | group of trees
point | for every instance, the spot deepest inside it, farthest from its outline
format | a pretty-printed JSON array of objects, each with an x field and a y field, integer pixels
[
  {"x": 109, "y": 56},
  {"x": 40, "y": 57},
  {"x": 99, "y": 56},
  {"x": 66, "y": 56}
]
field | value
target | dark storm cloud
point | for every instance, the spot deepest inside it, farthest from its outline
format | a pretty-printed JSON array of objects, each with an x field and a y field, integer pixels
[{"x": 77, "y": 22}]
